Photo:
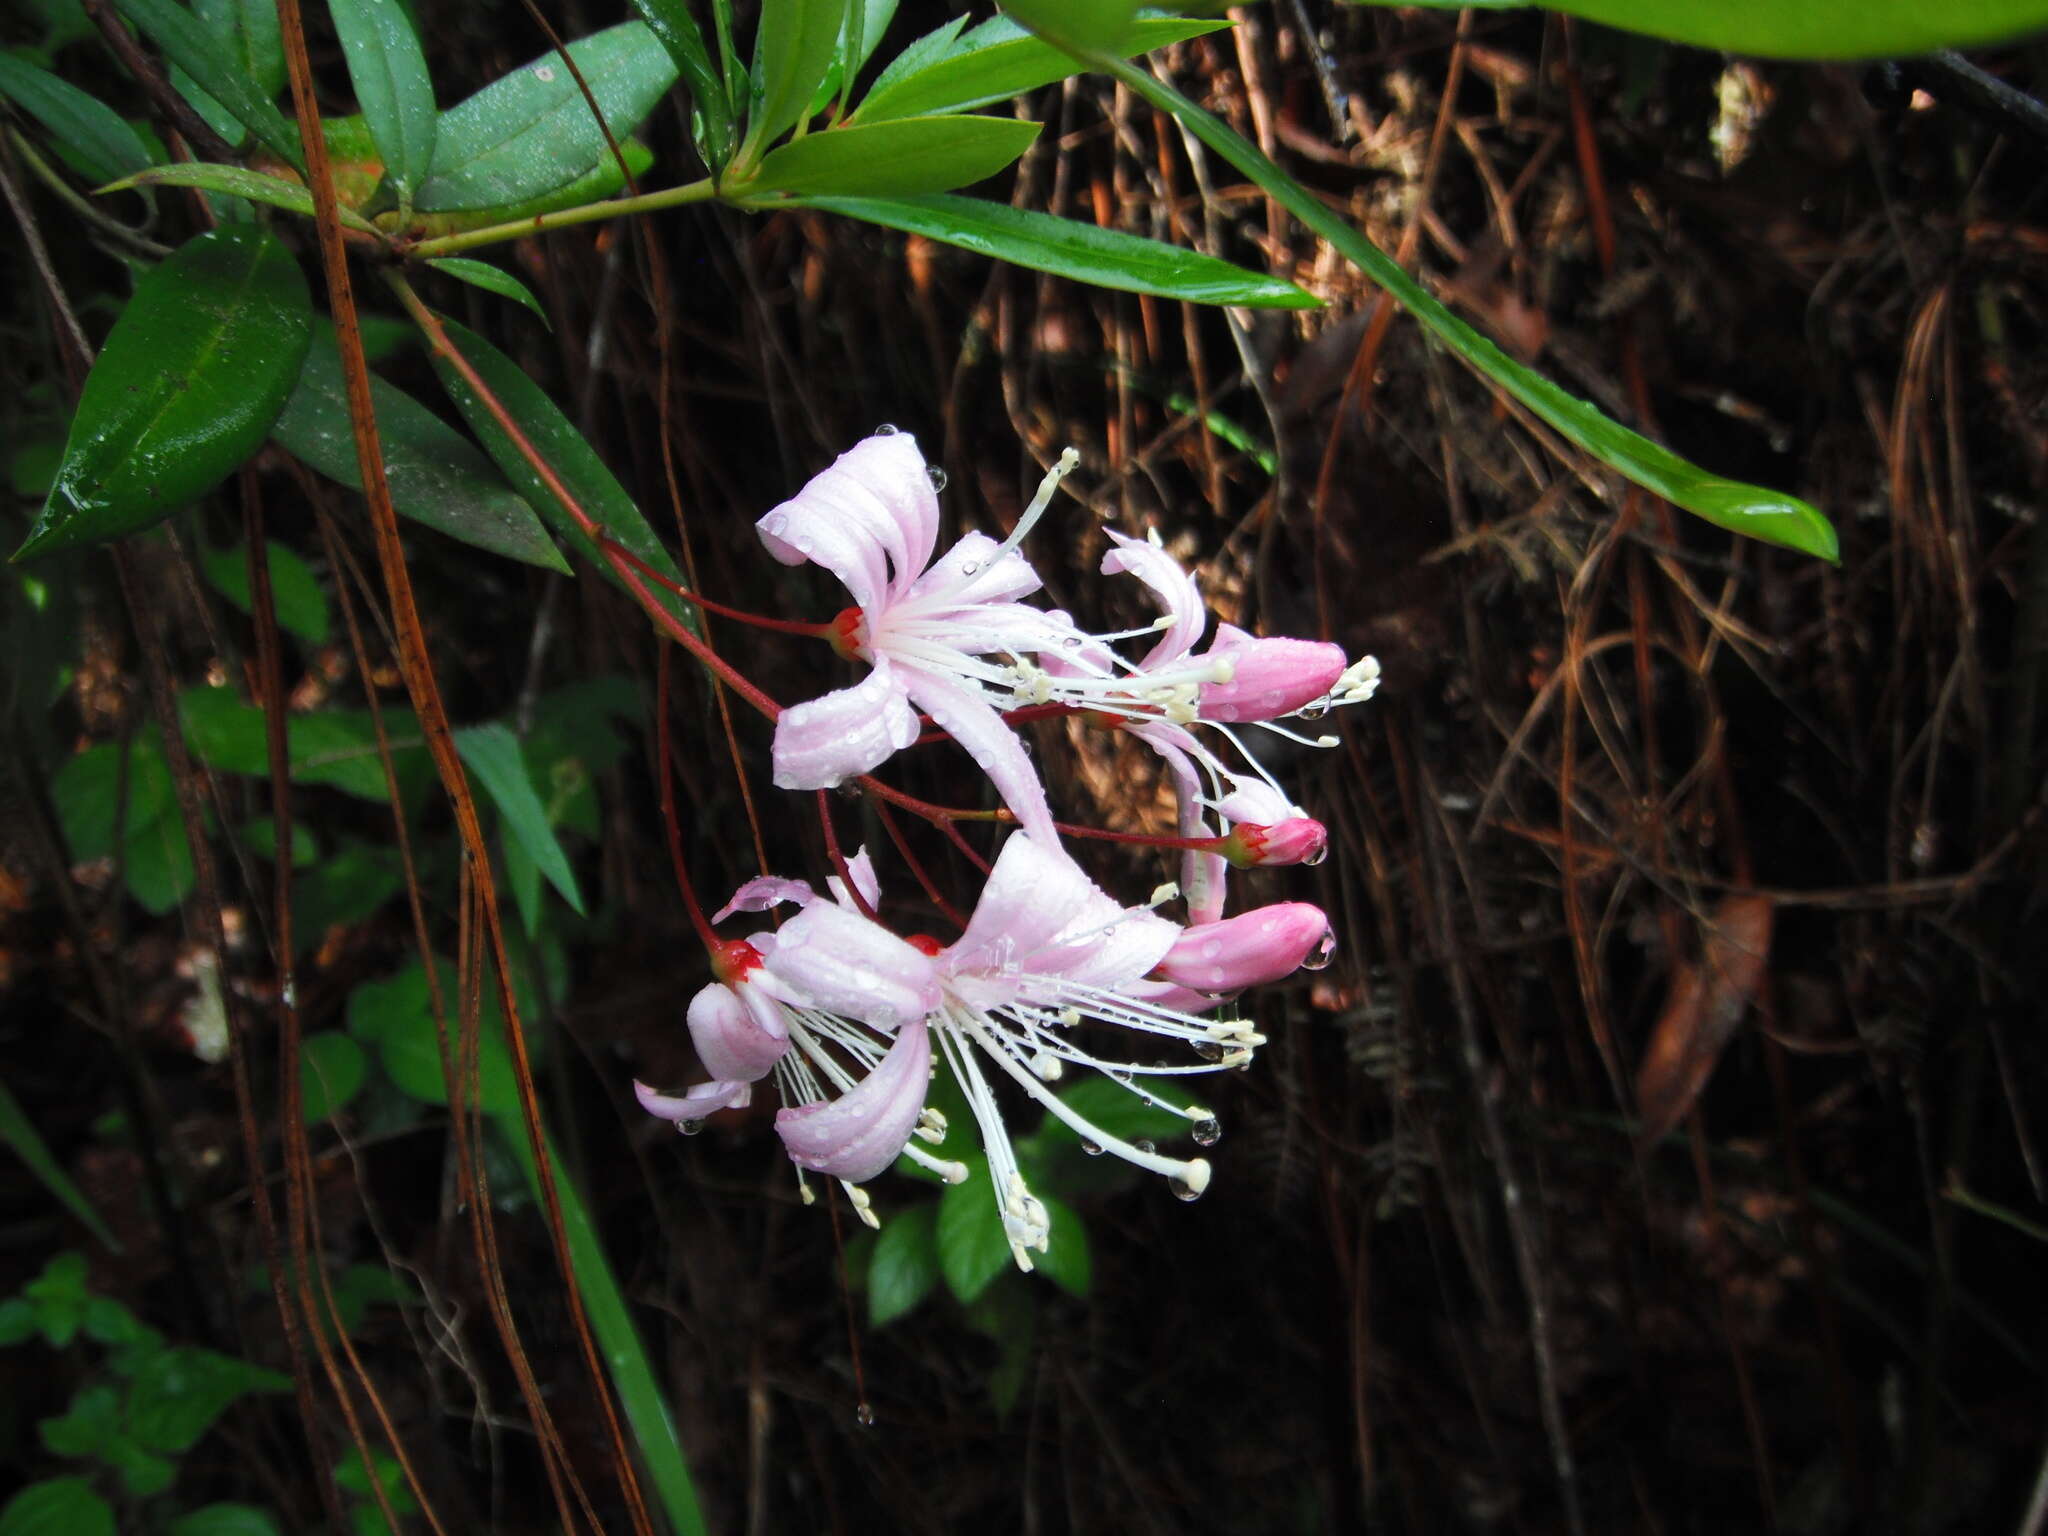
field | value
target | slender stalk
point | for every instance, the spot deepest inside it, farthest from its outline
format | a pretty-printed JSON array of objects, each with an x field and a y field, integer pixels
[{"x": 564, "y": 218}]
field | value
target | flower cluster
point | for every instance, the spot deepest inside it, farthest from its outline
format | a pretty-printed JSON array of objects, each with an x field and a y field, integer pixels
[{"x": 851, "y": 1018}]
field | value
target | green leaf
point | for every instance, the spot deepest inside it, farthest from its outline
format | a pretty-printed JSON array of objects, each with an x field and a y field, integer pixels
[
  {"x": 87, "y": 132},
  {"x": 1066, "y": 1260},
  {"x": 57, "y": 1506},
  {"x": 493, "y": 755},
  {"x": 1869, "y": 29},
  {"x": 437, "y": 477},
  {"x": 872, "y": 17},
  {"x": 195, "y": 48},
  {"x": 565, "y": 451},
  {"x": 347, "y": 886},
  {"x": 1115, "y": 1110},
  {"x": 177, "y": 1395},
  {"x": 531, "y": 131},
  {"x": 363, "y": 1286},
  {"x": 331, "y": 1072},
  {"x": 999, "y": 60},
  {"x": 248, "y": 30},
  {"x": 236, "y": 181},
  {"x": 933, "y": 48},
  {"x": 1079, "y": 25},
  {"x": 793, "y": 47},
  {"x": 920, "y": 154},
  {"x": 352, "y": 1478},
  {"x": 905, "y": 1264},
  {"x": 296, "y": 596},
  {"x": 493, "y": 280},
  {"x": 224, "y": 1520},
  {"x": 157, "y": 864},
  {"x": 1086, "y": 253},
  {"x": 973, "y": 1247},
  {"x": 93, "y": 1426},
  {"x": 389, "y": 71},
  {"x": 20, "y": 1133},
  {"x": 87, "y": 788},
  {"x": 59, "y": 1297},
  {"x": 336, "y": 747},
  {"x": 191, "y": 377},
  {"x": 1763, "y": 514},
  {"x": 672, "y": 23},
  {"x": 395, "y": 1016},
  {"x": 259, "y": 836}
]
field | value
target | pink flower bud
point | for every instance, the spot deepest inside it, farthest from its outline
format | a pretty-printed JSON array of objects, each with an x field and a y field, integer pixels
[
  {"x": 1247, "y": 950},
  {"x": 737, "y": 1043},
  {"x": 1271, "y": 677},
  {"x": 1298, "y": 840}
]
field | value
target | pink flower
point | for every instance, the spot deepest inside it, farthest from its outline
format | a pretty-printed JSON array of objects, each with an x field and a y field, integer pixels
[
  {"x": 1294, "y": 840},
  {"x": 1247, "y": 950}
]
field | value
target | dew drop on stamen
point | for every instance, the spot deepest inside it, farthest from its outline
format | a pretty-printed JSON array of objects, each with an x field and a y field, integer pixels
[
  {"x": 1206, "y": 1133},
  {"x": 1183, "y": 1190},
  {"x": 1144, "y": 1144},
  {"x": 864, "y": 1415},
  {"x": 689, "y": 1127},
  {"x": 1093, "y": 1149},
  {"x": 1323, "y": 953},
  {"x": 1209, "y": 1050},
  {"x": 1072, "y": 642},
  {"x": 936, "y": 475},
  {"x": 1314, "y": 709}
]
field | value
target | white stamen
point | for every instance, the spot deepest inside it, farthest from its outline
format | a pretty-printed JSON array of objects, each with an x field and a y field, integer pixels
[{"x": 1062, "y": 467}]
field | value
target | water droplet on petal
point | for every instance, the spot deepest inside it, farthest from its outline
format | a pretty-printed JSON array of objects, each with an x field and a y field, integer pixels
[
  {"x": 887, "y": 429},
  {"x": 1314, "y": 709},
  {"x": 970, "y": 567},
  {"x": 1209, "y": 1050},
  {"x": 1318, "y": 856},
  {"x": 1183, "y": 1190},
  {"x": 864, "y": 1415},
  {"x": 689, "y": 1127},
  {"x": 1323, "y": 953},
  {"x": 1206, "y": 1133},
  {"x": 1144, "y": 1145},
  {"x": 1093, "y": 1149},
  {"x": 1072, "y": 642},
  {"x": 936, "y": 475}
]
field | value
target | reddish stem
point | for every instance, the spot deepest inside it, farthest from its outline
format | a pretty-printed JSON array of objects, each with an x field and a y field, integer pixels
[
  {"x": 617, "y": 551},
  {"x": 669, "y": 820}
]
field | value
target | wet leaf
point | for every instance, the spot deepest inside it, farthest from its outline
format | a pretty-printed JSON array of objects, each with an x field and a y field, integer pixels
[
  {"x": 793, "y": 47},
  {"x": 1707, "y": 1001},
  {"x": 531, "y": 131},
  {"x": 87, "y": 132},
  {"x": 1086, "y": 253},
  {"x": 1067, "y": 1260},
  {"x": 919, "y": 154},
  {"x": 196, "y": 48},
  {"x": 905, "y": 1263},
  {"x": 671, "y": 21},
  {"x": 493, "y": 755},
  {"x": 482, "y": 274},
  {"x": 389, "y": 71},
  {"x": 973, "y": 1247},
  {"x": 236, "y": 181},
  {"x": 191, "y": 377},
  {"x": 335, "y": 747},
  {"x": 1079, "y": 24}
]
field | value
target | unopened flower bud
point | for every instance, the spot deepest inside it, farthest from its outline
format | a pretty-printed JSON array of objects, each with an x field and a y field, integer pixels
[
  {"x": 1298, "y": 840},
  {"x": 1245, "y": 951},
  {"x": 1268, "y": 677}
]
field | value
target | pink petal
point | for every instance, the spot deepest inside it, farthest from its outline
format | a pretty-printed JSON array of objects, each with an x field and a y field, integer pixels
[
  {"x": 704, "y": 1099},
  {"x": 973, "y": 722},
  {"x": 860, "y": 1133},
  {"x": 1256, "y": 801},
  {"x": 827, "y": 740},
  {"x": 1203, "y": 876},
  {"x": 763, "y": 892},
  {"x": 1162, "y": 994},
  {"x": 1247, "y": 950},
  {"x": 843, "y": 963},
  {"x": 974, "y": 572},
  {"x": 1180, "y": 596},
  {"x": 872, "y": 512},
  {"x": 862, "y": 868},
  {"x": 737, "y": 1043},
  {"x": 1032, "y": 892},
  {"x": 1274, "y": 677}
]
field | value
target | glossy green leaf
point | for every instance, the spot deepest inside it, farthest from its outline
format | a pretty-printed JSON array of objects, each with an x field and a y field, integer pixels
[
  {"x": 1771, "y": 516},
  {"x": 186, "y": 387},
  {"x": 295, "y": 592},
  {"x": 493, "y": 755},
  {"x": 249, "y": 32},
  {"x": 1811, "y": 29},
  {"x": 331, "y": 1072},
  {"x": 870, "y": 18},
  {"x": 601, "y": 181},
  {"x": 395, "y": 1016},
  {"x": 20, "y": 1133},
  {"x": 180, "y": 1391},
  {"x": 672, "y": 23},
  {"x": 87, "y": 132},
  {"x": 1086, "y": 253},
  {"x": 1091, "y": 25},
  {"x": 57, "y": 1506},
  {"x": 565, "y": 451},
  {"x": 973, "y": 1247},
  {"x": 926, "y": 52},
  {"x": 236, "y": 181},
  {"x": 1111, "y": 1107},
  {"x": 335, "y": 747},
  {"x": 225, "y": 1520},
  {"x": 482, "y": 274},
  {"x": 793, "y": 47},
  {"x": 999, "y": 60},
  {"x": 904, "y": 1265},
  {"x": 1067, "y": 1261},
  {"x": 194, "y": 47},
  {"x": 389, "y": 71},
  {"x": 437, "y": 476},
  {"x": 894, "y": 159},
  {"x": 531, "y": 131}
]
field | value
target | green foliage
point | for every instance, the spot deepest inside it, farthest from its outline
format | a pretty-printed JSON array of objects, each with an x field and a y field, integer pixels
[
  {"x": 332, "y": 1068},
  {"x": 155, "y": 860},
  {"x": 19, "y": 1133},
  {"x": 493, "y": 755},
  {"x": 973, "y": 1247},
  {"x": 481, "y": 274},
  {"x": 895, "y": 159},
  {"x": 793, "y": 47},
  {"x": 1820, "y": 29},
  {"x": 187, "y": 386},
  {"x": 179, "y": 1391},
  {"x": 904, "y": 1264},
  {"x": 335, "y": 747},
  {"x": 57, "y": 1506},
  {"x": 672, "y": 23},
  {"x": 530, "y": 132},
  {"x": 295, "y": 593},
  {"x": 197, "y": 49},
  {"x": 237, "y": 181},
  {"x": 388, "y": 69},
  {"x": 88, "y": 134},
  {"x": 224, "y": 1520}
]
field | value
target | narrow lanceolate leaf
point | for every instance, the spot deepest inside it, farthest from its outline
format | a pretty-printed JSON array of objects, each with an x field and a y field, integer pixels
[
  {"x": 1084, "y": 252},
  {"x": 671, "y": 21},
  {"x": 998, "y": 60},
  {"x": 20, "y": 1133},
  {"x": 793, "y": 47},
  {"x": 437, "y": 476},
  {"x": 191, "y": 377},
  {"x": 249, "y": 31},
  {"x": 1869, "y": 29},
  {"x": 531, "y": 131},
  {"x": 564, "y": 450},
  {"x": 188, "y": 43},
  {"x": 1771, "y": 516},
  {"x": 493, "y": 280},
  {"x": 237, "y": 181},
  {"x": 389, "y": 71},
  {"x": 493, "y": 755},
  {"x": 919, "y": 154},
  {"x": 87, "y": 132},
  {"x": 1081, "y": 25}
]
